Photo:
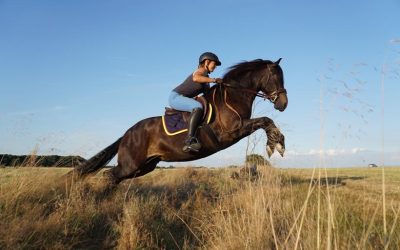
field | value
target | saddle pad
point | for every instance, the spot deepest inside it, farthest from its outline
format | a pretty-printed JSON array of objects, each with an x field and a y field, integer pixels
[{"x": 175, "y": 123}]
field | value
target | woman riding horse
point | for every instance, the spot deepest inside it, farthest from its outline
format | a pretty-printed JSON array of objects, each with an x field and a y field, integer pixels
[
  {"x": 146, "y": 143},
  {"x": 181, "y": 98}
]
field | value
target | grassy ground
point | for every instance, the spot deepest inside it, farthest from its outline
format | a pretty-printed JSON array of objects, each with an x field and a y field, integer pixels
[{"x": 203, "y": 209}]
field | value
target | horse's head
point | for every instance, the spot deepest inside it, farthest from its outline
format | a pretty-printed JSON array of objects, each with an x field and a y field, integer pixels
[
  {"x": 272, "y": 85},
  {"x": 259, "y": 75}
]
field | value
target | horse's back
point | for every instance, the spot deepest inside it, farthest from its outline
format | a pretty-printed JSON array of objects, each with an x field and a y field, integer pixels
[
  {"x": 149, "y": 133},
  {"x": 147, "y": 139},
  {"x": 143, "y": 129}
]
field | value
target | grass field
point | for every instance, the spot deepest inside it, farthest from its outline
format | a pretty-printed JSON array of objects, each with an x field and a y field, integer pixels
[{"x": 190, "y": 208}]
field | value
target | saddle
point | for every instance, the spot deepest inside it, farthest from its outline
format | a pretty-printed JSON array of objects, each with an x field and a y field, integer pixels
[{"x": 176, "y": 121}]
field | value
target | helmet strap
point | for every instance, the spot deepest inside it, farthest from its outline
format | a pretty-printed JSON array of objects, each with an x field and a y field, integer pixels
[{"x": 206, "y": 64}]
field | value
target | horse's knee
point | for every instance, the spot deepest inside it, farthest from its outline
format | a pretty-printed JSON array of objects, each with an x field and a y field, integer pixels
[{"x": 268, "y": 122}]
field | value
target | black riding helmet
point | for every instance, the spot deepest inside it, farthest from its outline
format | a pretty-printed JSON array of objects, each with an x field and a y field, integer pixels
[{"x": 209, "y": 56}]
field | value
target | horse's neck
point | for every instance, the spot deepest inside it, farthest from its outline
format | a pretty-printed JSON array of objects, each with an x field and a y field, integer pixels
[
  {"x": 241, "y": 101},
  {"x": 231, "y": 98}
]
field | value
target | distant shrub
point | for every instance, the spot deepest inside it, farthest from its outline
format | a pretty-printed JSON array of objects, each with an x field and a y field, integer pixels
[{"x": 257, "y": 160}]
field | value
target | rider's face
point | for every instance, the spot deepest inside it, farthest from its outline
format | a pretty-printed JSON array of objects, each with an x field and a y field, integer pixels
[{"x": 210, "y": 65}]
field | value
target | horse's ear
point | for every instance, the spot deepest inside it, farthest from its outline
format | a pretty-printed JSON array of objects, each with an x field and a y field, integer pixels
[{"x": 277, "y": 62}]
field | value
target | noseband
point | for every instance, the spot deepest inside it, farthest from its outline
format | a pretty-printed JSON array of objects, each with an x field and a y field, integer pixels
[{"x": 273, "y": 96}]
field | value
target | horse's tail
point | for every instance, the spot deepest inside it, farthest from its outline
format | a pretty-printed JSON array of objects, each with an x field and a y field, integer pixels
[{"x": 98, "y": 161}]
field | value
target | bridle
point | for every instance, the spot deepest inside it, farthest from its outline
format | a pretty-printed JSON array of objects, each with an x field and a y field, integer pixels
[{"x": 271, "y": 96}]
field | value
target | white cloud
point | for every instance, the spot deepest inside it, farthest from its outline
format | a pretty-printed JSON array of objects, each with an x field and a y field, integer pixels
[
  {"x": 395, "y": 157},
  {"x": 337, "y": 158},
  {"x": 59, "y": 108},
  {"x": 332, "y": 152},
  {"x": 358, "y": 150},
  {"x": 313, "y": 152},
  {"x": 395, "y": 41}
]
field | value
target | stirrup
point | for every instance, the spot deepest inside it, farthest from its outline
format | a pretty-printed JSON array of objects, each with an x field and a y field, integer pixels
[{"x": 192, "y": 144}]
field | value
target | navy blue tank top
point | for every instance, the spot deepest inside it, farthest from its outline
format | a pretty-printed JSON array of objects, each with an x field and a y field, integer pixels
[{"x": 190, "y": 88}]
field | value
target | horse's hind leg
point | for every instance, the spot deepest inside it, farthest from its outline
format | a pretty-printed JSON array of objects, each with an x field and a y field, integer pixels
[
  {"x": 128, "y": 166},
  {"x": 133, "y": 159},
  {"x": 120, "y": 172},
  {"x": 117, "y": 174},
  {"x": 148, "y": 166}
]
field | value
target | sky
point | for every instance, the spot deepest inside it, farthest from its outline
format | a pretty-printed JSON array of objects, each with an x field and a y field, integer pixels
[{"x": 75, "y": 75}]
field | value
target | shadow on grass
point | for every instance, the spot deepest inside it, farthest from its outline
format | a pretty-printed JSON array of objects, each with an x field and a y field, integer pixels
[
  {"x": 323, "y": 181},
  {"x": 170, "y": 212}
]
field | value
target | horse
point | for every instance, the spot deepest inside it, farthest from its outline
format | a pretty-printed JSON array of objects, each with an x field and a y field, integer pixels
[{"x": 145, "y": 144}]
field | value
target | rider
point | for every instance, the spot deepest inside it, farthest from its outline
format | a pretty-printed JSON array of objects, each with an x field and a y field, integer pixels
[{"x": 181, "y": 98}]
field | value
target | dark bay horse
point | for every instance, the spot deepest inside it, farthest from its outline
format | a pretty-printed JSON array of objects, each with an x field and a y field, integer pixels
[{"x": 145, "y": 143}]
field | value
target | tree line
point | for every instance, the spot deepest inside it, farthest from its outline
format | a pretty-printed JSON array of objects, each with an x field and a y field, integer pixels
[{"x": 7, "y": 160}]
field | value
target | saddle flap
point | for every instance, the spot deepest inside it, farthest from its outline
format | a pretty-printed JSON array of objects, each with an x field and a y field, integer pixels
[{"x": 176, "y": 122}]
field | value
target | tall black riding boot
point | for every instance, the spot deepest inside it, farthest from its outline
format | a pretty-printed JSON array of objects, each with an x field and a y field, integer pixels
[{"x": 192, "y": 143}]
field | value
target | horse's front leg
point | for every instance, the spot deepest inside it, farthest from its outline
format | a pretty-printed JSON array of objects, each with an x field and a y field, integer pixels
[{"x": 276, "y": 140}]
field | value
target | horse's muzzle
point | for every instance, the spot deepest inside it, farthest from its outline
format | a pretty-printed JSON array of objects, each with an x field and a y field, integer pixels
[{"x": 282, "y": 102}]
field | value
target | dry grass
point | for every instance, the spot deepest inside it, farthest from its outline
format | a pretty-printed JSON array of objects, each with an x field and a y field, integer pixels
[{"x": 201, "y": 209}]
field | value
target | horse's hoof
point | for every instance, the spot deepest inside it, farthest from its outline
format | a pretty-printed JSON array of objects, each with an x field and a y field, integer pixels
[{"x": 280, "y": 149}]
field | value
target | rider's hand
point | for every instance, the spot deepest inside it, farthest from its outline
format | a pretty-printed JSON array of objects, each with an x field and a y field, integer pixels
[{"x": 218, "y": 80}]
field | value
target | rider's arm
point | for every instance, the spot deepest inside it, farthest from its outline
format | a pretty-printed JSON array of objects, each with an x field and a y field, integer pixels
[{"x": 199, "y": 76}]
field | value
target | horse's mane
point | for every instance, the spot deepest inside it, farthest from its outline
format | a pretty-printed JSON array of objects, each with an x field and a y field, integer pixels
[{"x": 239, "y": 70}]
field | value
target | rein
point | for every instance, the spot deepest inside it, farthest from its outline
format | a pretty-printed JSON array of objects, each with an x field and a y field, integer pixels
[
  {"x": 272, "y": 97},
  {"x": 223, "y": 128}
]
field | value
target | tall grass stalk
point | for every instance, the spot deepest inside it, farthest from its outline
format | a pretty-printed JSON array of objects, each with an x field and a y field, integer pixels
[
  {"x": 383, "y": 72},
  {"x": 302, "y": 213},
  {"x": 396, "y": 213}
]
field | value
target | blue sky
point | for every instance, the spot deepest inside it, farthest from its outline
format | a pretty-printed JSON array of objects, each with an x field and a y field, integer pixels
[{"x": 75, "y": 75}]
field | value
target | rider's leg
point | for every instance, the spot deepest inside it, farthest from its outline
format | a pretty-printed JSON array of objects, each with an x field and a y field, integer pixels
[
  {"x": 180, "y": 102},
  {"x": 183, "y": 103},
  {"x": 191, "y": 142}
]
